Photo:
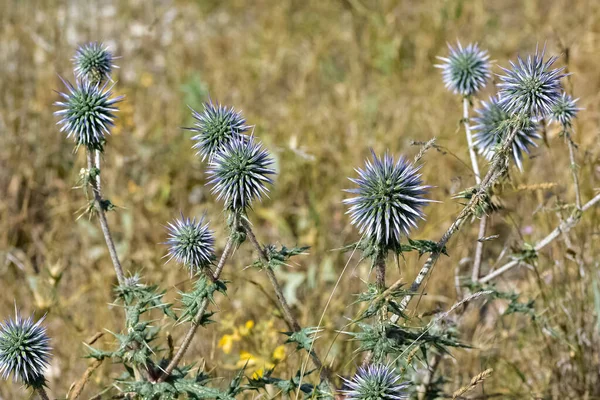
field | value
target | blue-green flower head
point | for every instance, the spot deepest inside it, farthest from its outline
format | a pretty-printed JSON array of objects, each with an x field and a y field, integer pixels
[
  {"x": 375, "y": 382},
  {"x": 531, "y": 86},
  {"x": 191, "y": 243},
  {"x": 24, "y": 350},
  {"x": 389, "y": 199},
  {"x": 216, "y": 126},
  {"x": 493, "y": 123},
  {"x": 93, "y": 62},
  {"x": 466, "y": 70},
  {"x": 240, "y": 173},
  {"x": 565, "y": 110},
  {"x": 87, "y": 113}
]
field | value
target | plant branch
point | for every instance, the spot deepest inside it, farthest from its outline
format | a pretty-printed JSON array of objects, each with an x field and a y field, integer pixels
[
  {"x": 42, "y": 393},
  {"x": 574, "y": 170},
  {"x": 484, "y": 219},
  {"x": 96, "y": 189},
  {"x": 499, "y": 165},
  {"x": 291, "y": 321},
  {"x": 564, "y": 227},
  {"x": 472, "y": 154},
  {"x": 187, "y": 340}
]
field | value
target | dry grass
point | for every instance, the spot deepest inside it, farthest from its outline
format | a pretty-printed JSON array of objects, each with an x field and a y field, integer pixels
[{"x": 323, "y": 81}]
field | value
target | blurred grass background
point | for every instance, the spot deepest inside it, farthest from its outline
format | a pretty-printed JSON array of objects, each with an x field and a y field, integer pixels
[{"x": 323, "y": 82}]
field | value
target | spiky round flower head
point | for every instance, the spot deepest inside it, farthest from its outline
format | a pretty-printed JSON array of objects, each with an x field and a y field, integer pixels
[
  {"x": 24, "y": 350},
  {"x": 217, "y": 125},
  {"x": 191, "y": 243},
  {"x": 87, "y": 113},
  {"x": 93, "y": 62},
  {"x": 565, "y": 110},
  {"x": 493, "y": 124},
  {"x": 530, "y": 86},
  {"x": 375, "y": 382},
  {"x": 466, "y": 70},
  {"x": 240, "y": 173},
  {"x": 390, "y": 196}
]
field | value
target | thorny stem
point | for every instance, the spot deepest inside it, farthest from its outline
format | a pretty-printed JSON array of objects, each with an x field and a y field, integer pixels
[
  {"x": 380, "y": 281},
  {"x": 96, "y": 189},
  {"x": 564, "y": 227},
  {"x": 42, "y": 393},
  {"x": 495, "y": 172},
  {"x": 483, "y": 221},
  {"x": 189, "y": 336},
  {"x": 287, "y": 311},
  {"x": 479, "y": 248},
  {"x": 574, "y": 169},
  {"x": 470, "y": 140}
]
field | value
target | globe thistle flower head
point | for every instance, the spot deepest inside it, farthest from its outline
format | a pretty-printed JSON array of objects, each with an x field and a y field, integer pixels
[
  {"x": 93, "y": 62},
  {"x": 389, "y": 200},
  {"x": 466, "y": 70},
  {"x": 216, "y": 126},
  {"x": 565, "y": 110},
  {"x": 531, "y": 86},
  {"x": 493, "y": 123},
  {"x": 191, "y": 243},
  {"x": 240, "y": 173},
  {"x": 87, "y": 113},
  {"x": 375, "y": 382},
  {"x": 24, "y": 350}
]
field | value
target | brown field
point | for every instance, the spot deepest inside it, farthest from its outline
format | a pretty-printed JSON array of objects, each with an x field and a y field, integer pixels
[{"x": 323, "y": 82}]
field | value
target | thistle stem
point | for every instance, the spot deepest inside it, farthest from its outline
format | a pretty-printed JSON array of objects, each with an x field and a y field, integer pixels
[
  {"x": 42, "y": 393},
  {"x": 96, "y": 189},
  {"x": 291, "y": 321},
  {"x": 495, "y": 172},
  {"x": 564, "y": 227},
  {"x": 574, "y": 170},
  {"x": 380, "y": 281},
  {"x": 472, "y": 154},
  {"x": 483, "y": 221},
  {"x": 189, "y": 336}
]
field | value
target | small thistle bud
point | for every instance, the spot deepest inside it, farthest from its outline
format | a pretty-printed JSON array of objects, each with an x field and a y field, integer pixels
[
  {"x": 93, "y": 62},
  {"x": 240, "y": 173},
  {"x": 564, "y": 111},
  {"x": 531, "y": 86},
  {"x": 191, "y": 243},
  {"x": 389, "y": 199},
  {"x": 217, "y": 125},
  {"x": 24, "y": 350},
  {"x": 87, "y": 113},
  {"x": 493, "y": 124},
  {"x": 466, "y": 70},
  {"x": 375, "y": 382}
]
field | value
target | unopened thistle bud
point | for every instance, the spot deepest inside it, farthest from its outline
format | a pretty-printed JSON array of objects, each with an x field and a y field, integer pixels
[
  {"x": 240, "y": 173},
  {"x": 191, "y": 243},
  {"x": 24, "y": 350},
  {"x": 93, "y": 62},
  {"x": 216, "y": 126},
  {"x": 87, "y": 113},
  {"x": 466, "y": 70},
  {"x": 389, "y": 201}
]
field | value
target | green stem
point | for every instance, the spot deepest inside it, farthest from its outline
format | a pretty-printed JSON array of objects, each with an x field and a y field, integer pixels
[{"x": 187, "y": 340}]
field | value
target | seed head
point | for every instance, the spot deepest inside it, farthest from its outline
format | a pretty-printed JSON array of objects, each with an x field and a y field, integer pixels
[
  {"x": 493, "y": 124},
  {"x": 217, "y": 125},
  {"x": 375, "y": 382},
  {"x": 389, "y": 199},
  {"x": 24, "y": 350},
  {"x": 93, "y": 62},
  {"x": 466, "y": 70},
  {"x": 240, "y": 173},
  {"x": 87, "y": 113},
  {"x": 191, "y": 243},
  {"x": 530, "y": 86},
  {"x": 565, "y": 110}
]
